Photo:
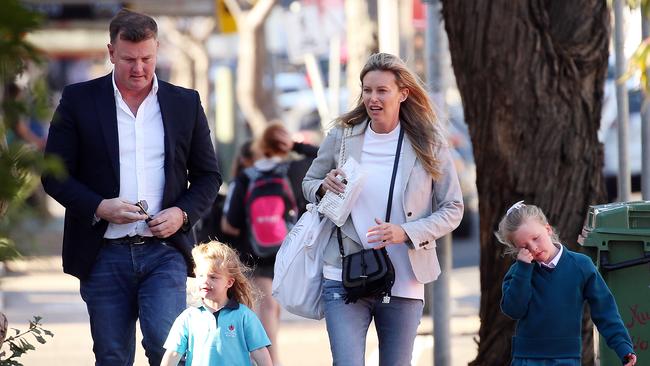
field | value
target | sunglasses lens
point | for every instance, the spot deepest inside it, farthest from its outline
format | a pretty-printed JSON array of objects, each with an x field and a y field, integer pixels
[{"x": 144, "y": 204}]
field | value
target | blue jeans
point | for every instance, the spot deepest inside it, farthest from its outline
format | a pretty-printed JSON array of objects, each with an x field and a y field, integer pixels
[
  {"x": 347, "y": 326},
  {"x": 545, "y": 362},
  {"x": 128, "y": 282}
]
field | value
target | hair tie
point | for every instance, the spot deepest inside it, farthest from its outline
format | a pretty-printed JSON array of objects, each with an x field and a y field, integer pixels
[{"x": 516, "y": 206}]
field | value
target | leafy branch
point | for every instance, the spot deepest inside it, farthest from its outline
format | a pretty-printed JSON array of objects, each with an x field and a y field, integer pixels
[
  {"x": 19, "y": 343},
  {"x": 640, "y": 61}
]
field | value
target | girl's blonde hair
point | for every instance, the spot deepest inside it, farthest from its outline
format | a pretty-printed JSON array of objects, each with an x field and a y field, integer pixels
[
  {"x": 416, "y": 113},
  {"x": 513, "y": 219},
  {"x": 221, "y": 258}
]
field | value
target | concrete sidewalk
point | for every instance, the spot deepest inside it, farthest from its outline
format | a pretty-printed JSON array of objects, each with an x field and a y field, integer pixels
[{"x": 37, "y": 286}]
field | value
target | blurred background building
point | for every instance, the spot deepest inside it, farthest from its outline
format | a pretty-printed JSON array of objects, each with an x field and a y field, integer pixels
[{"x": 199, "y": 42}]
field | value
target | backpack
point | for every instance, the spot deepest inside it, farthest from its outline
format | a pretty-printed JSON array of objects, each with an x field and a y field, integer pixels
[{"x": 271, "y": 209}]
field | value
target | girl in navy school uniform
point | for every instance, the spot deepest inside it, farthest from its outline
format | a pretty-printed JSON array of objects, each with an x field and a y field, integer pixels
[{"x": 544, "y": 291}]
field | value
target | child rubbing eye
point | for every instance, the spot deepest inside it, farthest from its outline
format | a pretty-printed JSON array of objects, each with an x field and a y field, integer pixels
[{"x": 544, "y": 291}]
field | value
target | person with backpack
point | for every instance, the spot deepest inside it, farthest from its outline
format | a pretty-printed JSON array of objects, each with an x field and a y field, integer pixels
[{"x": 261, "y": 208}]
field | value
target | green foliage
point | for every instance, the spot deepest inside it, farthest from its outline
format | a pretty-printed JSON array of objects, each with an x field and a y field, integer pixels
[
  {"x": 15, "y": 22},
  {"x": 18, "y": 163},
  {"x": 633, "y": 4},
  {"x": 20, "y": 225},
  {"x": 20, "y": 343},
  {"x": 8, "y": 249},
  {"x": 639, "y": 63}
]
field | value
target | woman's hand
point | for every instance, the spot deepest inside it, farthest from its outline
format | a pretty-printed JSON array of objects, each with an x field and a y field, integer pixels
[
  {"x": 332, "y": 183},
  {"x": 385, "y": 233}
]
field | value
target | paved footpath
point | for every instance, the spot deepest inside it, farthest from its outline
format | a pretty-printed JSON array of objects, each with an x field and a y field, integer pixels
[{"x": 36, "y": 286}]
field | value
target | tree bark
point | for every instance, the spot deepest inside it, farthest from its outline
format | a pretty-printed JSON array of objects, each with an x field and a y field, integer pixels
[
  {"x": 531, "y": 75},
  {"x": 255, "y": 101}
]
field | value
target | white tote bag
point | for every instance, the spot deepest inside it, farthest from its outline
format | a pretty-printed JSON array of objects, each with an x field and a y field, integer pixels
[{"x": 297, "y": 280}]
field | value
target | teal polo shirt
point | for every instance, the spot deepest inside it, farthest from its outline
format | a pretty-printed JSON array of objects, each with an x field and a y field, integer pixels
[{"x": 224, "y": 338}]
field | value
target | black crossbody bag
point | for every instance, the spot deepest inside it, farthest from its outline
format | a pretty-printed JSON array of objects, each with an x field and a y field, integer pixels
[{"x": 370, "y": 272}]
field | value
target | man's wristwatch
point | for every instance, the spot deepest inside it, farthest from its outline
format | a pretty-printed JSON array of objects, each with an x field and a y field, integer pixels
[{"x": 186, "y": 221}]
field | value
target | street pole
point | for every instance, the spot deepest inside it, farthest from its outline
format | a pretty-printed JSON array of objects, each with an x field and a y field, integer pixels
[
  {"x": 388, "y": 29},
  {"x": 645, "y": 127},
  {"x": 624, "y": 179},
  {"x": 225, "y": 124},
  {"x": 440, "y": 299}
]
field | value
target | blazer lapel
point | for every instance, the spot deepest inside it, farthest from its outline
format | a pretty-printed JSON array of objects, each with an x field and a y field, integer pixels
[
  {"x": 166, "y": 102},
  {"x": 406, "y": 161},
  {"x": 107, "y": 117}
]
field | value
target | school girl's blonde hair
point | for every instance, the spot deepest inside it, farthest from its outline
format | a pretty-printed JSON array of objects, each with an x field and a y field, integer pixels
[{"x": 513, "y": 219}]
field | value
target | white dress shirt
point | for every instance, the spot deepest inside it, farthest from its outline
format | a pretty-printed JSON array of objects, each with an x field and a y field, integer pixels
[{"x": 142, "y": 159}]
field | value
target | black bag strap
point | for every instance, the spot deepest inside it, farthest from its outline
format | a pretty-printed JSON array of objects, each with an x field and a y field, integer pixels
[{"x": 390, "y": 191}]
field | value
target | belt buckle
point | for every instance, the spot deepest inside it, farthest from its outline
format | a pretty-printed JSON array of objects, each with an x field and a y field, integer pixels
[{"x": 139, "y": 240}]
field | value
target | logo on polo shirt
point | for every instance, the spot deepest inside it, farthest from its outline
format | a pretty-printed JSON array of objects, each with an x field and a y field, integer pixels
[{"x": 230, "y": 332}]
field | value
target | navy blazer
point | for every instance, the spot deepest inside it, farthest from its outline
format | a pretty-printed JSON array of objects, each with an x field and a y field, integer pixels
[{"x": 84, "y": 135}]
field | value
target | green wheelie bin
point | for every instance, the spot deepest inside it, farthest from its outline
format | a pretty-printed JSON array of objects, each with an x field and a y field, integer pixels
[{"x": 617, "y": 237}]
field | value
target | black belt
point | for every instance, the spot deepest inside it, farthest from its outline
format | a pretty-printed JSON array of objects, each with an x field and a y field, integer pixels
[{"x": 135, "y": 240}]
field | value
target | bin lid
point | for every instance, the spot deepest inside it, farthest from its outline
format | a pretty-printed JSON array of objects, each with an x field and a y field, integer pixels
[{"x": 631, "y": 218}]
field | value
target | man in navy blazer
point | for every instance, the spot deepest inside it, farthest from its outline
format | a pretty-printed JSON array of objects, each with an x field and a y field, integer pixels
[{"x": 129, "y": 138}]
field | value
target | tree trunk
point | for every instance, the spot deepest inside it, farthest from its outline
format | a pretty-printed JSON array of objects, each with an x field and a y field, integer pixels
[
  {"x": 4, "y": 327},
  {"x": 256, "y": 102},
  {"x": 531, "y": 75}
]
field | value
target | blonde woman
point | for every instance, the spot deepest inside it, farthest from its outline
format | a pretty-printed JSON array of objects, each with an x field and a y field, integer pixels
[{"x": 427, "y": 204}]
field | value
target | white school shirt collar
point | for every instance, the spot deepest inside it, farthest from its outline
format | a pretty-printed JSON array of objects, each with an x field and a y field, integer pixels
[{"x": 556, "y": 259}]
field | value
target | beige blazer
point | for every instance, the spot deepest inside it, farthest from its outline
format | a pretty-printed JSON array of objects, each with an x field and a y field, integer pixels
[{"x": 432, "y": 208}]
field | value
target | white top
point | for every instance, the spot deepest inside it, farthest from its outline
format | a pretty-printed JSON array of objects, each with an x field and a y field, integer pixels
[
  {"x": 377, "y": 159},
  {"x": 142, "y": 159}
]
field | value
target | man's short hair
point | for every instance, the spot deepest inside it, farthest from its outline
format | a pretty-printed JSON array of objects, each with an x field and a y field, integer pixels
[{"x": 133, "y": 27}]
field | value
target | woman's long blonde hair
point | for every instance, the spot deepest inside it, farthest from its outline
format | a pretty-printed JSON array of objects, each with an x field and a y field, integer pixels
[
  {"x": 221, "y": 258},
  {"x": 416, "y": 113}
]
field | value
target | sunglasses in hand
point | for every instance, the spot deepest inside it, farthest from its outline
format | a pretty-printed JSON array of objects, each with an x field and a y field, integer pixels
[{"x": 143, "y": 206}]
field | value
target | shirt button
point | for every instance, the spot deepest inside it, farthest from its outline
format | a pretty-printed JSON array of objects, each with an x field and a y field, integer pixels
[{"x": 409, "y": 214}]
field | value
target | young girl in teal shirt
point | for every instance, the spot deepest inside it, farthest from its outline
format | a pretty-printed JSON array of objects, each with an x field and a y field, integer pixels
[{"x": 224, "y": 330}]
